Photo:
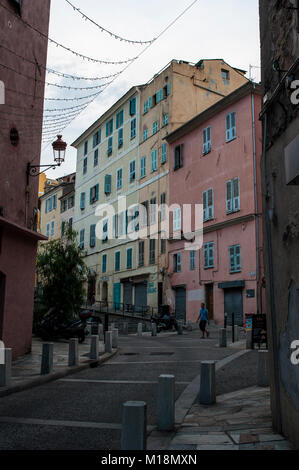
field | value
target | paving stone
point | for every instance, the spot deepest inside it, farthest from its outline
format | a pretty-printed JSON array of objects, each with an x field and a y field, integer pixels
[
  {"x": 182, "y": 447},
  {"x": 205, "y": 439},
  {"x": 217, "y": 447},
  {"x": 248, "y": 438},
  {"x": 271, "y": 437}
]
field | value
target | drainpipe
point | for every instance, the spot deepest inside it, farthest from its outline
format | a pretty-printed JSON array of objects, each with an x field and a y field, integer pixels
[
  {"x": 276, "y": 371},
  {"x": 259, "y": 309}
]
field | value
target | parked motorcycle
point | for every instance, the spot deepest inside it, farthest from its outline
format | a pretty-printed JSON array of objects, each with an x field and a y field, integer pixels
[
  {"x": 52, "y": 328},
  {"x": 166, "y": 323}
]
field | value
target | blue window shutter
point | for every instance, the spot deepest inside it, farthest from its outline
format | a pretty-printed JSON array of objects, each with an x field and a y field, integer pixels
[
  {"x": 107, "y": 129},
  {"x": 132, "y": 106},
  {"x": 97, "y": 192},
  {"x": 90, "y": 196},
  {"x": 46, "y": 210}
]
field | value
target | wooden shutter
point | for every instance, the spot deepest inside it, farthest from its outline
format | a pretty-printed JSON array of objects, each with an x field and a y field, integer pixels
[
  {"x": 228, "y": 128},
  {"x": 236, "y": 194},
  {"x": 210, "y": 204},
  {"x": 229, "y": 196}
]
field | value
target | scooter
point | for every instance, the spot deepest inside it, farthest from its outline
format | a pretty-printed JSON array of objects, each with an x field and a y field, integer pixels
[{"x": 51, "y": 327}]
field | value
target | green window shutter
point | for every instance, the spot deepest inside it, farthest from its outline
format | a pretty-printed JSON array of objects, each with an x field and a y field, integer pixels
[
  {"x": 90, "y": 195},
  {"x": 229, "y": 196},
  {"x": 97, "y": 192},
  {"x": 132, "y": 106}
]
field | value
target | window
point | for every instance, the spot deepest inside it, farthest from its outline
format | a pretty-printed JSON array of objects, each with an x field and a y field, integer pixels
[
  {"x": 145, "y": 134},
  {"x": 207, "y": 145},
  {"x": 82, "y": 201},
  {"x": 70, "y": 202},
  {"x": 48, "y": 230},
  {"x": 208, "y": 204},
  {"x": 51, "y": 203},
  {"x": 132, "y": 175},
  {"x": 159, "y": 96},
  {"x": 96, "y": 140},
  {"x": 133, "y": 128},
  {"x": 143, "y": 167},
  {"x": 177, "y": 219},
  {"x": 235, "y": 258},
  {"x": 96, "y": 158},
  {"x": 209, "y": 255},
  {"x": 82, "y": 236},
  {"x": 110, "y": 146},
  {"x": 109, "y": 128},
  {"x": 154, "y": 159},
  {"x": 164, "y": 154},
  {"x": 177, "y": 263},
  {"x": 105, "y": 231},
  {"x": 94, "y": 194},
  {"x": 92, "y": 236},
  {"x": 86, "y": 147},
  {"x": 178, "y": 157},
  {"x": 108, "y": 184},
  {"x": 120, "y": 138},
  {"x": 119, "y": 119},
  {"x": 163, "y": 206},
  {"x": 85, "y": 166},
  {"x": 119, "y": 178},
  {"x": 152, "y": 257},
  {"x": 132, "y": 106},
  {"x": 163, "y": 246},
  {"x": 141, "y": 254},
  {"x": 71, "y": 222},
  {"x": 129, "y": 258},
  {"x": 145, "y": 107},
  {"x": 192, "y": 260},
  {"x": 104, "y": 263},
  {"x": 165, "y": 119},
  {"x": 225, "y": 74},
  {"x": 117, "y": 261},
  {"x": 144, "y": 215},
  {"x": 153, "y": 211},
  {"x": 233, "y": 196},
  {"x": 121, "y": 224},
  {"x": 231, "y": 132},
  {"x": 155, "y": 127},
  {"x": 52, "y": 228},
  {"x": 18, "y": 5}
]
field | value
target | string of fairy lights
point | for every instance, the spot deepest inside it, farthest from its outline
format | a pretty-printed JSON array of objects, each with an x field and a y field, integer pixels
[{"x": 56, "y": 119}]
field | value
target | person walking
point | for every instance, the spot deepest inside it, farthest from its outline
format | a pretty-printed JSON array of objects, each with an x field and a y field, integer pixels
[{"x": 203, "y": 319}]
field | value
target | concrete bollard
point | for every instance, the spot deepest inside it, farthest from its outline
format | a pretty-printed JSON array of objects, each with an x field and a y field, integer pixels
[
  {"x": 154, "y": 329},
  {"x": 108, "y": 341},
  {"x": 73, "y": 352},
  {"x": 47, "y": 359},
  {"x": 166, "y": 402},
  {"x": 248, "y": 339},
  {"x": 139, "y": 329},
  {"x": 125, "y": 328},
  {"x": 207, "y": 383},
  {"x": 262, "y": 369},
  {"x": 180, "y": 327},
  {"x": 133, "y": 434},
  {"x": 115, "y": 338},
  {"x": 5, "y": 368},
  {"x": 94, "y": 347},
  {"x": 222, "y": 338},
  {"x": 236, "y": 328}
]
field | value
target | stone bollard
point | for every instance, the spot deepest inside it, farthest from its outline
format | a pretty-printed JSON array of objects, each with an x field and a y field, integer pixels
[
  {"x": 47, "y": 359},
  {"x": 154, "y": 329},
  {"x": 5, "y": 367},
  {"x": 166, "y": 402},
  {"x": 180, "y": 327},
  {"x": 222, "y": 338},
  {"x": 101, "y": 331},
  {"x": 236, "y": 328},
  {"x": 139, "y": 329},
  {"x": 207, "y": 383},
  {"x": 125, "y": 328},
  {"x": 73, "y": 352},
  {"x": 248, "y": 339},
  {"x": 133, "y": 434},
  {"x": 108, "y": 342},
  {"x": 262, "y": 369},
  {"x": 115, "y": 338},
  {"x": 94, "y": 347}
]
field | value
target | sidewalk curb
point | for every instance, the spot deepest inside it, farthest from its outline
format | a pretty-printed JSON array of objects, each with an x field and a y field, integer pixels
[{"x": 43, "y": 379}]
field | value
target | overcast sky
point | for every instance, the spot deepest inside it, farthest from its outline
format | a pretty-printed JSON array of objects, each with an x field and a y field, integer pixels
[{"x": 227, "y": 29}]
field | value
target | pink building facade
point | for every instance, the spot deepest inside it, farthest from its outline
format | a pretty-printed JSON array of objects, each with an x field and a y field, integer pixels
[
  {"x": 23, "y": 55},
  {"x": 216, "y": 162}
]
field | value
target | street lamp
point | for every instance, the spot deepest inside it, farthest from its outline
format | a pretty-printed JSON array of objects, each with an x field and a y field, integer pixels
[{"x": 59, "y": 149}]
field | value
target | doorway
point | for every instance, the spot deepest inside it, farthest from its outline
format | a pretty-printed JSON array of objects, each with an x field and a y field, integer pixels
[
  {"x": 210, "y": 300},
  {"x": 2, "y": 302},
  {"x": 180, "y": 303},
  {"x": 233, "y": 303}
]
